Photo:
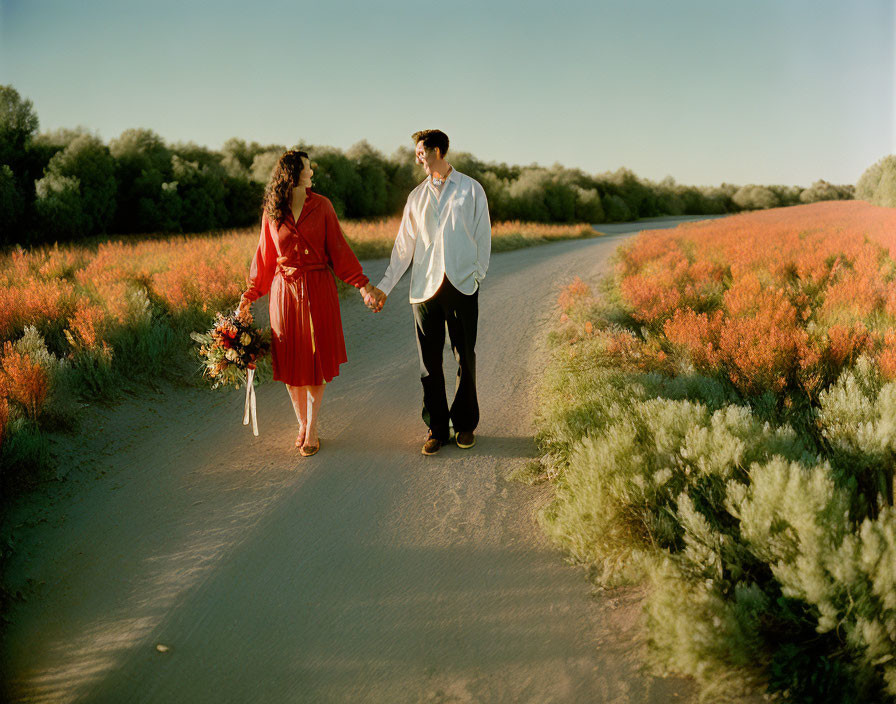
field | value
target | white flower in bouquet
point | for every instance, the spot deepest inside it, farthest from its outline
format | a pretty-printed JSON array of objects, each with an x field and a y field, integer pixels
[
  {"x": 245, "y": 339},
  {"x": 232, "y": 355}
]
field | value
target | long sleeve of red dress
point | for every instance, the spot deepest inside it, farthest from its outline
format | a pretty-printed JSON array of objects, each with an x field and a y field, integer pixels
[
  {"x": 343, "y": 260},
  {"x": 264, "y": 264}
]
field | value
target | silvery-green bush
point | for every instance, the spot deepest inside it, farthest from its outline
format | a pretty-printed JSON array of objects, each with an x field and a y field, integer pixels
[
  {"x": 770, "y": 551},
  {"x": 857, "y": 416}
]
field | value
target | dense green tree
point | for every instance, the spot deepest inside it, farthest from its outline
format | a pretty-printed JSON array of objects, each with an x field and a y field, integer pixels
[
  {"x": 144, "y": 165},
  {"x": 141, "y": 150},
  {"x": 878, "y": 184},
  {"x": 615, "y": 208},
  {"x": 337, "y": 179},
  {"x": 526, "y": 197},
  {"x": 468, "y": 164},
  {"x": 12, "y": 205},
  {"x": 60, "y": 138},
  {"x": 822, "y": 190},
  {"x": 498, "y": 192},
  {"x": 371, "y": 197},
  {"x": 263, "y": 165},
  {"x": 157, "y": 206},
  {"x": 640, "y": 200},
  {"x": 588, "y": 206},
  {"x": 201, "y": 190},
  {"x": 243, "y": 201},
  {"x": 786, "y": 195},
  {"x": 237, "y": 158},
  {"x": 669, "y": 197},
  {"x": 403, "y": 175},
  {"x": 755, "y": 198},
  {"x": 18, "y": 123},
  {"x": 86, "y": 168},
  {"x": 60, "y": 208}
]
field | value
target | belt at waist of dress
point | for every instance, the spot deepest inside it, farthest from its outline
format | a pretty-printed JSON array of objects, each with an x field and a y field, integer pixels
[{"x": 294, "y": 273}]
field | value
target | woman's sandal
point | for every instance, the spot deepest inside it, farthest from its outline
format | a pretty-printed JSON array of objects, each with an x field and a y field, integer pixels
[
  {"x": 308, "y": 450},
  {"x": 300, "y": 438}
]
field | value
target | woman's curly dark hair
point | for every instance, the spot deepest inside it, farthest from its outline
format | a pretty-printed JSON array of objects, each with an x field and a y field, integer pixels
[{"x": 278, "y": 193}]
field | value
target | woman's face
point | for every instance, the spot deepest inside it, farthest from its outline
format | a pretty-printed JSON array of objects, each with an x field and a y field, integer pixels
[{"x": 306, "y": 174}]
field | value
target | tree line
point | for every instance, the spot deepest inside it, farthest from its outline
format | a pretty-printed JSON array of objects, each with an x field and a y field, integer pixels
[
  {"x": 68, "y": 184},
  {"x": 878, "y": 184}
]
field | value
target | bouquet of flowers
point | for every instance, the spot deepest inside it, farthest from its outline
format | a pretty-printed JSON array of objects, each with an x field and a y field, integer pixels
[
  {"x": 231, "y": 348},
  {"x": 229, "y": 353}
]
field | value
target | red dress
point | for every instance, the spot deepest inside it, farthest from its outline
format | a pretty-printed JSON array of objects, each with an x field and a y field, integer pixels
[{"x": 293, "y": 263}]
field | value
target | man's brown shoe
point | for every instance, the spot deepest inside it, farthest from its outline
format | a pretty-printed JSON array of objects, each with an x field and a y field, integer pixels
[
  {"x": 465, "y": 440},
  {"x": 432, "y": 445}
]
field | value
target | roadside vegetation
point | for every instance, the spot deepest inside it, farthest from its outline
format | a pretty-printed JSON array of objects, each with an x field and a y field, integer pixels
[
  {"x": 80, "y": 324},
  {"x": 720, "y": 423}
]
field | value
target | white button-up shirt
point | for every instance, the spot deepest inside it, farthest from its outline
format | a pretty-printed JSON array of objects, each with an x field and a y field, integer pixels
[{"x": 444, "y": 234}]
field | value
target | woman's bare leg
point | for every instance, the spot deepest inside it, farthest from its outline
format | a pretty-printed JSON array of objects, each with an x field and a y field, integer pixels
[
  {"x": 299, "y": 397},
  {"x": 315, "y": 398}
]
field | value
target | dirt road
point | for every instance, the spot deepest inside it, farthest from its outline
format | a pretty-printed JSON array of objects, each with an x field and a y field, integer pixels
[{"x": 368, "y": 573}]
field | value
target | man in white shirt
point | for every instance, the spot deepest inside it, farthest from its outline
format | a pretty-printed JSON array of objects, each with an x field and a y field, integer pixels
[{"x": 446, "y": 232}]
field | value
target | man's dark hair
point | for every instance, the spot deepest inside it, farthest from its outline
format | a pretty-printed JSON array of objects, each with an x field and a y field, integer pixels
[{"x": 432, "y": 139}]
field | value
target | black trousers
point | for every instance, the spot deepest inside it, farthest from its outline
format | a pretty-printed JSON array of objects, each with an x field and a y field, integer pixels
[{"x": 459, "y": 313}]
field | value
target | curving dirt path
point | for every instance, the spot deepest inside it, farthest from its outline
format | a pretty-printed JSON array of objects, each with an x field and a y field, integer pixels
[{"x": 368, "y": 573}]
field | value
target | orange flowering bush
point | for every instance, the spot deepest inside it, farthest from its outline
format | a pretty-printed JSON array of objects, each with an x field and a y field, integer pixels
[
  {"x": 86, "y": 326},
  {"x": 575, "y": 292},
  {"x": 23, "y": 381},
  {"x": 770, "y": 300},
  {"x": 32, "y": 300},
  {"x": 697, "y": 336},
  {"x": 48, "y": 287}
]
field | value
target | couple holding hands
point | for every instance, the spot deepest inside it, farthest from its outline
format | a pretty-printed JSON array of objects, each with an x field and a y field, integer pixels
[{"x": 445, "y": 237}]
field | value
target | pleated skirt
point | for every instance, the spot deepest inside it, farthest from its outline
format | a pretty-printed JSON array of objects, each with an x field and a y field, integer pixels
[{"x": 307, "y": 343}]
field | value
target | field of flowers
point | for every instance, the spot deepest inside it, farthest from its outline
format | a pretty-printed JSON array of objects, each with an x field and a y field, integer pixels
[
  {"x": 78, "y": 323},
  {"x": 721, "y": 422}
]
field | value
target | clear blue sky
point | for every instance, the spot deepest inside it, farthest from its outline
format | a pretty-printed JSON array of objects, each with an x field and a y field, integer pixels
[{"x": 706, "y": 91}]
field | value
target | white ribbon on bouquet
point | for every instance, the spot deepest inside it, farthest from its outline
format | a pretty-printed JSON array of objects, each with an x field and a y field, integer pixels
[{"x": 250, "y": 403}]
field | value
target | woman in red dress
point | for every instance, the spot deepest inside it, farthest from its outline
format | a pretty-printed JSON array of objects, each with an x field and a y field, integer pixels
[{"x": 300, "y": 243}]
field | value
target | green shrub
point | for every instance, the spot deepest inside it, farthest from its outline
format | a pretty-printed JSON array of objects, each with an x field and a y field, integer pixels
[
  {"x": 857, "y": 416},
  {"x": 769, "y": 546},
  {"x": 696, "y": 631}
]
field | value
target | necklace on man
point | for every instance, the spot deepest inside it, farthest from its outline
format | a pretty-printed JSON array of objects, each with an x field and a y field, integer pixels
[{"x": 437, "y": 182}]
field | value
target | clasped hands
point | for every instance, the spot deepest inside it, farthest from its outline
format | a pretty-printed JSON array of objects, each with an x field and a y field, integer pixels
[{"x": 373, "y": 297}]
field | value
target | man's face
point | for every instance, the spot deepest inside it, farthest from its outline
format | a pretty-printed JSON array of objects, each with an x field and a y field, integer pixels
[{"x": 427, "y": 158}]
